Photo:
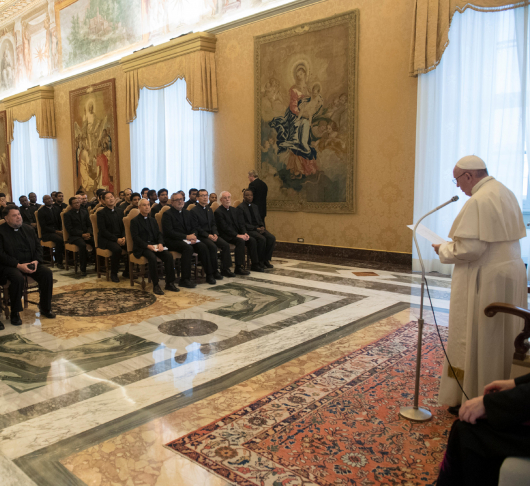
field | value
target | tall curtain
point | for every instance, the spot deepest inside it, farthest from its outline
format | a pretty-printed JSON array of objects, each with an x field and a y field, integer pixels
[
  {"x": 171, "y": 145},
  {"x": 34, "y": 161},
  {"x": 474, "y": 102}
]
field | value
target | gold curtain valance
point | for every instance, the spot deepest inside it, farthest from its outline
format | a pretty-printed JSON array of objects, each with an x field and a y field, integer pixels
[
  {"x": 191, "y": 57},
  {"x": 36, "y": 102},
  {"x": 431, "y": 23}
]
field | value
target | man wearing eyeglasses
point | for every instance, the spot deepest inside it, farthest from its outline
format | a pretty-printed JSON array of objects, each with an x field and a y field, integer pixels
[{"x": 486, "y": 252}]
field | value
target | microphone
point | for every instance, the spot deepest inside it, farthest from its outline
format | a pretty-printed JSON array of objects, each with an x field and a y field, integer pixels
[{"x": 417, "y": 413}]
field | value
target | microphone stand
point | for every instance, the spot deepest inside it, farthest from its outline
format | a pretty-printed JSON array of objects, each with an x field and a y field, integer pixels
[{"x": 417, "y": 413}]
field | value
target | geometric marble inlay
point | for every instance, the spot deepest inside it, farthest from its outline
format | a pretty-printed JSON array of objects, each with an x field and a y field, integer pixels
[
  {"x": 101, "y": 302},
  {"x": 366, "y": 274},
  {"x": 187, "y": 327}
]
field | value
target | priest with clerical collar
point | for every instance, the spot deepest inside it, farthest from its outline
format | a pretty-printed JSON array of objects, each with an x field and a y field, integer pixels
[{"x": 486, "y": 252}]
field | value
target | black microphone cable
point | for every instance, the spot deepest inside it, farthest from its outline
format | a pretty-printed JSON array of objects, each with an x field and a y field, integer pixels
[{"x": 441, "y": 341}]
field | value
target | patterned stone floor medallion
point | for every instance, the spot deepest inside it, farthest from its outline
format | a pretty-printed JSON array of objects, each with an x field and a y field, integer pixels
[
  {"x": 188, "y": 327},
  {"x": 101, "y": 302}
]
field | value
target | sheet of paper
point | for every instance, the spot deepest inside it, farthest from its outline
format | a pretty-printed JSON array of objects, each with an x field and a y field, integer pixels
[{"x": 428, "y": 234}]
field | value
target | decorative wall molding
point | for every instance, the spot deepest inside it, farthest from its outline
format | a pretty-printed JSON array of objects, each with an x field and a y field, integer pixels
[{"x": 37, "y": 93}]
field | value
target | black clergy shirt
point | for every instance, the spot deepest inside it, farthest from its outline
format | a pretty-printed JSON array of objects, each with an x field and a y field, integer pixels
[
  {"x": 22, "y": 250},
  {"x": 151, "y": 239}
]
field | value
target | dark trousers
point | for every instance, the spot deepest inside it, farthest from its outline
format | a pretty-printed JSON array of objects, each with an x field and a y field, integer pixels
[
  {"x": 186, "y": 252},
  {"x": 252, "y": 248},
  {"x": 116, "y": 256},
  {"x": 83, "y": 252},
  {"x": 266, "y": 243},
  {"x": 226, "y": 257},
  {"x": 475, "y": 452},
  {"x": 239, "y": 252},
  {"x": 211, "y": 247},
  {"x": 43, "y": 276},
  {"x": 59, "y": 245},
  {"x": 167, "y": 260}
]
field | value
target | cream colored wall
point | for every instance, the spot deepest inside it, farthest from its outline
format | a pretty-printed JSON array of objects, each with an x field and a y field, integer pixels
[{"x": 386, "y": 127}]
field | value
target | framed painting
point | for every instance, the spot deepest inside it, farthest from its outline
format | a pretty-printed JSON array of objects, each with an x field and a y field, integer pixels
[
  {"x": 5, "y": 161},
  {"x": 95, "y": 137},
  {"x": 306, "y": 114}
]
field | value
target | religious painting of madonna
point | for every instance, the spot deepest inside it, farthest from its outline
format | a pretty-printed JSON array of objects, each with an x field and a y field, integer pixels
[
  {"x": 95, "y": 137},
  {"x": 306, "y": 85},
  {"x": 5, "y": 164}
]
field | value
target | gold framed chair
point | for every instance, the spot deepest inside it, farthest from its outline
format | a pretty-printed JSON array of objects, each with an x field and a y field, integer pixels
[
  {"x": 214, "y": 206},
  {"x": 45, "y": 244},
  {"x": 190, "y": 207},
  {"x": 237, "y": 202}
]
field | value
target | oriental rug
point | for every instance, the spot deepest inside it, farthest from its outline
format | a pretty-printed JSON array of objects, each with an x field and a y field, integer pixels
[{"x": 338, "y": 425}]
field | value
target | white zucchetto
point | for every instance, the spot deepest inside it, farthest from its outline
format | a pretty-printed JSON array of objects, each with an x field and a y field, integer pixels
[{"x": 471, "y": 162}]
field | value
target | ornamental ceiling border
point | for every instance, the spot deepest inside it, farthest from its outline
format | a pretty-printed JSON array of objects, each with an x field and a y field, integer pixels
[{"x": 11, "y": 10}]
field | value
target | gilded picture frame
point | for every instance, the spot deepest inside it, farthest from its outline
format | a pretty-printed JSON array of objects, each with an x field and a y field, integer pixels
[
  {"x": 5, "y": 159},
  {"x": 306, "y": 81},
  {"x": 94, "y": 131}
]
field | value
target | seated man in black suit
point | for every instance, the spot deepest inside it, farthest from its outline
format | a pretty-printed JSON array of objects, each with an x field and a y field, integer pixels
[
  {"x": 135, "y": 199},
  {"x": 148, "y": 242},
  {"x": 204, "y": 222},
  {"x": 21, "y": 253},
  {"x": 193, "y": 198},
  {"x": 127, "y": 193},
  {"x": 27, "y": 212},
  {"x": 52, "y": 228},
  {"x": 213, "y": 198},
  {"x": 491, "y": 428},
  {"x": 33, "y": 201},
  {"x": 232, "y": 230},
  {"x": 111, "y": 235},
  {"x": 77, "y": 223},
  {"x": 59, "y": 201},
  {"x": 256, "y": 228},
  {"x": 179, "y": 229},
  {"x": 162, "y": 201}
]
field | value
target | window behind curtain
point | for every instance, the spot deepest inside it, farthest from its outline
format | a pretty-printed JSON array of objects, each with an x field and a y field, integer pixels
[
  {"x": 34, "y": 162},
  {"x": 474, "y": 102},
  {"x": 171, "y": 145}
]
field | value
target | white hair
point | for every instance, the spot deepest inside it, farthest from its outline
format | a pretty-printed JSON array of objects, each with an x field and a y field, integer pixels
[{"x": 224, "y": 192}]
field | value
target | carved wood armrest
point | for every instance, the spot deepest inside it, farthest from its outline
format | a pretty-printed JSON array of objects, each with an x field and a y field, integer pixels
[{"x": 522, "y": 341}]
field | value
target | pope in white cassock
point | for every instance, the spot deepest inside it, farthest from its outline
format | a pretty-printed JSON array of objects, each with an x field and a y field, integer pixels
[{"x": 488, "y": 268}]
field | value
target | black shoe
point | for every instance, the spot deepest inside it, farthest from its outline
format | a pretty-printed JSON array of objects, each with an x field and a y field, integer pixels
[
  {"x": 15, "y": 319},
  {"x": 454, "y": 410},
  {"x": 187, "y": 283},
  {"x": 114, "y": 277},
  {"x": 217, "y": 276},
  {"x": 171, "y": 287},
  {"x": 125, "y": 275},
  {"x": 256, "y": 268},
  {"x": 2, "y": 327},
  {"x": 262, "y": 265},
  {"x": 157, "y": 290},
  {"x": 48, "y": 314},
  {"x": 83, "y": 273},
  {"x": 60, "y": 266},
  {"x": 268, "y": 264},
  {"x": 242, "y": 271},
  {"x": 227, "y": 273},
  {"x": 210, "y": 280}
]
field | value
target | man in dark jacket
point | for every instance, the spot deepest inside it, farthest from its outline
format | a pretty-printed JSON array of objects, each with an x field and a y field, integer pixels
[
  {"x": 149, "y": 243},
  {"x": 193, "y": 198},
  {"x": 52, "y": 228},
  {"x": 491, "y": 428},
  {"x": 21, "y": 253},
  {"x": 59, "y": 201},
  {"x": 162, "y": 201},
  {"x": 77, "y": 224},
  {"x": 204, "y": 222},
  {"x": 27, "y": 212},
  {"x": 111, "y": 235},
  {"x": 256, "y": 228},
  {"x": 180, "y": 234},
  {"x": 33, "y": 201},
  {"x": 232, "y": 230},
  {"x": 259, "y": 189}
]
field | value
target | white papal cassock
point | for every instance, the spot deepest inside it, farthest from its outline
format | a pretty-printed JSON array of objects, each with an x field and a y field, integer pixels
[{"x": 488, "y": 268}]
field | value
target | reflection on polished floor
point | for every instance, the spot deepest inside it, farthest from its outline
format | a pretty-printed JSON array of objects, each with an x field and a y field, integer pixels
[{"x": 93, "y": 396}]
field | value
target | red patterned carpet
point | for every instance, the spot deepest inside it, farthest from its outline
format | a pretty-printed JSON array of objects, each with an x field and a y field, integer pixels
[{"x": 336, "y": 426}]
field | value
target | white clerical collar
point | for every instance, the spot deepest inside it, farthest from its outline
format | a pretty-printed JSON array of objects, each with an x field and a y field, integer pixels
[
  {"x": 15, "y": 229},
  {"x": 480, "y": 183},
  {"x": 145, "y": 217}
]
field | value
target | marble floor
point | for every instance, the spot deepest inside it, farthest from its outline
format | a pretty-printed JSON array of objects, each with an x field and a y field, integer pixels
[{"x": 91, "y": 397}]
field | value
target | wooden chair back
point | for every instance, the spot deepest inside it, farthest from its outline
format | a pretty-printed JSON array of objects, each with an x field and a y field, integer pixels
[
  {"x": 66, "y": 236},
  {"x": 158, "y": 217},
  {"x": 127, "y": 223},
  {"x": 190, "y": 207},
  {"x": 236, "y": 203},
  {"x": 214, "y": 206},
  {"x": 94, "y": 221},
  {"x": 39, "y": 231}
]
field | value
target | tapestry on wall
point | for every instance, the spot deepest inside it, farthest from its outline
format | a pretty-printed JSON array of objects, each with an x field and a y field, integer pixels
[
  {"x": 306, "y": 84},
  {"x": 5, "y": 164},
  {"x": 95, "y": 137}
]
